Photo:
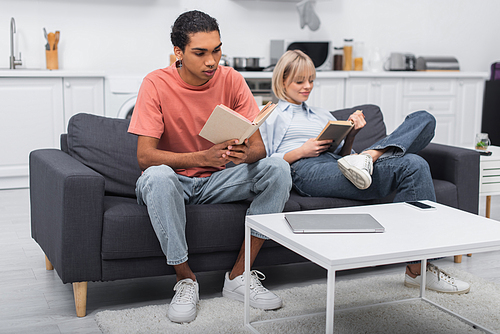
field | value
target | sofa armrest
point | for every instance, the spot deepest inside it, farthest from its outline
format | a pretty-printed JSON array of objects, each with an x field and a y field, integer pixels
[
  {"x": 459, "y": 166},
  {"x": 67, "y": 204}
]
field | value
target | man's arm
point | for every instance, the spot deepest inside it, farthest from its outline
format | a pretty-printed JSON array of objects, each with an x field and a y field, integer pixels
[{"x": 149, "y": 155}]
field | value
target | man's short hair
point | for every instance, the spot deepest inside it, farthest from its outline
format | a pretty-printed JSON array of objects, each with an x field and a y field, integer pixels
[
  {"x": 294, "y": 65},
  {"x": 189, "y": 23}
]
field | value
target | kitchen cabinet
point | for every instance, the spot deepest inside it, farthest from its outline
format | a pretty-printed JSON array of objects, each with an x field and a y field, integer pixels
[
  {"x": 83, "y": 95},
  {"x": 456, "y": 103},
  {"x": 470, "y": 93},
  {"x": 328, "y": 93},
  {"x": 34, "y": 110},
  {"x": 437, "y": 96},
  {"x": 454, "y": 98},
  {"x": 383, "y": 92}
]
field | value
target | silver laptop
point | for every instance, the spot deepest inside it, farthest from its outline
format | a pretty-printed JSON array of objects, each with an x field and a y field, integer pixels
[{"x": 333, "y": 223}]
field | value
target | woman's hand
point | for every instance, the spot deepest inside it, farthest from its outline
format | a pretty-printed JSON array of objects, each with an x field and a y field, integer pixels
[
  {"x": 313, "y": 148},
  {"x": 358, "y": 118}
]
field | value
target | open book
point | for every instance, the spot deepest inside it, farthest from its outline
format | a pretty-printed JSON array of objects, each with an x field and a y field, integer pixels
[
  {"x": 224, "y": 124},
  {"x": 336, "y": 131}
]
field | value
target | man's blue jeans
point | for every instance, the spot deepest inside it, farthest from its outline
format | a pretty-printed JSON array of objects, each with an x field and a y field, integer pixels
[
  {"x": 166, "y": 193},
  {"x": 399, "y": 169}
]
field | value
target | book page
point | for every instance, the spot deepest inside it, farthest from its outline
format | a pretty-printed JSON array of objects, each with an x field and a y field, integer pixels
[
  {"x": 268, "y": 109},
  {"x": 224, "y": 124}
]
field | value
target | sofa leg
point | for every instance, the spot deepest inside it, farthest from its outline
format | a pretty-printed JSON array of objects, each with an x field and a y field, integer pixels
[
  {"x": 80, "y": 292},
  {"x": 48, "y": 265},
  {"x": 458, "y": 258}
]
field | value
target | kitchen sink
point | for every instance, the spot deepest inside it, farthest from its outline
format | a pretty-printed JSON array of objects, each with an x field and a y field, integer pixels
[{"x": 22, "y": 69}]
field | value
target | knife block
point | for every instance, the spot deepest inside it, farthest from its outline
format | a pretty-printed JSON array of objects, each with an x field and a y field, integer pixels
[{"x": 52, "y": 59}]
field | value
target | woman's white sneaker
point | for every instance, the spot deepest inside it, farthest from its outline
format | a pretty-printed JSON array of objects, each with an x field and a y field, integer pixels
[
  {"x": 438, "y": 280},
  {"x": 358, "y": 169},
  {"x": 183, "y": 305},
  {"x": 260, "y": 297}
]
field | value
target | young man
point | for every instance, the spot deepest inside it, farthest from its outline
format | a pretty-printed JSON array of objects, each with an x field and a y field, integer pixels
[{"x": 180, "y": 167}]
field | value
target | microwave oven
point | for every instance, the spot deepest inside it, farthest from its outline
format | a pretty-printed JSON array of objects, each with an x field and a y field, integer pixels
[{"x": 320, "y": 52}]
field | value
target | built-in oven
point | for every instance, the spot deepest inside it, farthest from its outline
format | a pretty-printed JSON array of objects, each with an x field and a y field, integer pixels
[{"x": 261, "y": 89}]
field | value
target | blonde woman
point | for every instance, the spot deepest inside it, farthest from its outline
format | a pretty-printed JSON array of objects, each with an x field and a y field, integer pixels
[{"x": 390, "y": 165}]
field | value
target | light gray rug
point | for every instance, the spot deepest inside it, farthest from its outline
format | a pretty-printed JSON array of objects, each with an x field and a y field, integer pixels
[{"x": 222, "y": 315}]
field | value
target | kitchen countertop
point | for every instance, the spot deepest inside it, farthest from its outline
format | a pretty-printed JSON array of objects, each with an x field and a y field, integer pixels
[
  {"x": 384, "y": 74},
  {"x": 43, "y": 73},
  {"x": 262, "y": 75}
]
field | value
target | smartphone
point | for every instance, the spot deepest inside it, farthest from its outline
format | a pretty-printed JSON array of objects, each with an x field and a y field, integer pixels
[
  {"x": 483, "y": 152},
  {"x": 420, "y": 205}
]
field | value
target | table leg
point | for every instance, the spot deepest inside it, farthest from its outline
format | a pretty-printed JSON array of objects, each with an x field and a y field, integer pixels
[
  {"x": 423, "y": 275},
  {"x": 488, "y": 206},
  {"x": 247, "y": 277},
  {"x": 330, "y": 301}
]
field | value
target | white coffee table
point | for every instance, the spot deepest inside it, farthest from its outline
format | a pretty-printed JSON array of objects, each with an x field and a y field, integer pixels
[{"x": 442, "y": 232}]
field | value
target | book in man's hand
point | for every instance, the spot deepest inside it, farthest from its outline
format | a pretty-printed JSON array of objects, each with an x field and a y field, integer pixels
[
  {"x": 225, "y": 123},
  {"x": 336, "y": 131}
]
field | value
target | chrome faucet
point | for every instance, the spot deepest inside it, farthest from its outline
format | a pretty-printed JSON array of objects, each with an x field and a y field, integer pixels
[{"x": 13, "y": 61}]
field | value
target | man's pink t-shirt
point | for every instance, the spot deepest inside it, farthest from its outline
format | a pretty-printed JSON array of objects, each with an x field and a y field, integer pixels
[{"x": 173, "y": 111}]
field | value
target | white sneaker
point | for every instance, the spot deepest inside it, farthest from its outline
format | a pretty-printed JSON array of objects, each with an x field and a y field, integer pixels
[
  {"x": 358, "y": 169},
  {"x": 438, "y": 280},
  {"x": 183, "y": 305},
  {"x": 260, "y": 297}
]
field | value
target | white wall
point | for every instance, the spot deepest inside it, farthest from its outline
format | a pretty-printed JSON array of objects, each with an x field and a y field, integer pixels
[{"x": 132, "y": 36}]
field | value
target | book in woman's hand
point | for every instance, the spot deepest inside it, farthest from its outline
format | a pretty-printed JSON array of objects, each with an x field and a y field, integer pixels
[
  {"x": 336, "y": 131},
  {"x": 225, "y": 123}
]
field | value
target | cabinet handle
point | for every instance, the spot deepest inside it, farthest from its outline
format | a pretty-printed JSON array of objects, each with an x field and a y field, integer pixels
[{"x": 67, "y": 84}]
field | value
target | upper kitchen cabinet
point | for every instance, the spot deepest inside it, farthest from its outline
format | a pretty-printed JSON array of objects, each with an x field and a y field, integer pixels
[{"x": 34, "y": 110}]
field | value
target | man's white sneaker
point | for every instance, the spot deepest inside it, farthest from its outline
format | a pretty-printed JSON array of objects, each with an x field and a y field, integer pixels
[
  {"x": 438, "y": 280},
  {"x": 260, "y": 297},
  {"x": 183, "y": 305},
  {"x": 358, "y": 169}
]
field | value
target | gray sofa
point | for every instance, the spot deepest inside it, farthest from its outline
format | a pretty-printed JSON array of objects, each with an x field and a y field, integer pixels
[{"x": 85, "y": 217}]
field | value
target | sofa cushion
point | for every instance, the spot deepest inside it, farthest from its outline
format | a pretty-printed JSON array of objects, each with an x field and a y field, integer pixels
[
  {"x": 104, "y": 145},
  {"x": 128, "y": 233},
  {"x": 374, "y": 129}
]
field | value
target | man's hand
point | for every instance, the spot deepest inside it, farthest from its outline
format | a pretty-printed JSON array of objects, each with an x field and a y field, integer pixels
[
  {"x": 221, "y": 154},
  {"x": 238, "y": 153}
]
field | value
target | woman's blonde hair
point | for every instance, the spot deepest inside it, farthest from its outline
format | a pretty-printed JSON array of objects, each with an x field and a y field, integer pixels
[{"x": 294, "y": 65}]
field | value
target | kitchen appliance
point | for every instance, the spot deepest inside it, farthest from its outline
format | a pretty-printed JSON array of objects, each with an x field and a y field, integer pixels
[
  {"x": 491, "y": 117},
  {"x": 121, "y": 94},
  {"x": 320, "y": 52},
  {"x": 401, "y": 62},
  {"x": 261, "y": 89},
  {"x": 437, "y": 63},
  {"x": 246, "y": 64}
]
